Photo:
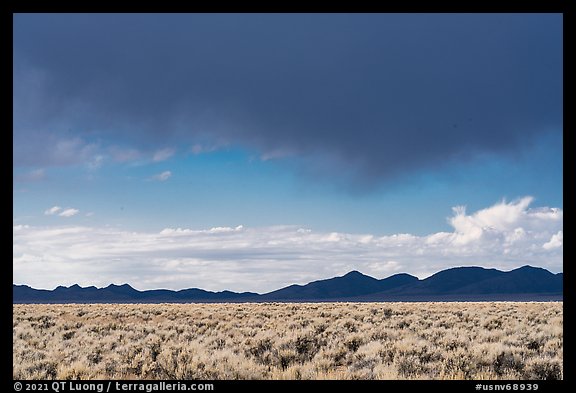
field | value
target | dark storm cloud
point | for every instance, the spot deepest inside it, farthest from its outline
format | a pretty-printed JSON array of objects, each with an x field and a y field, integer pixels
[{"x": 378, "y": 94}]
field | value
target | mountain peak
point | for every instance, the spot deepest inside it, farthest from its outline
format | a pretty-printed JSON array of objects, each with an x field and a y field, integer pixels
[
  {"x": 124, "y": 289},
  {"x": 124, "y": 286},
  {"x": 527, "y": 268},
  {"x": 354, "y": 273}
]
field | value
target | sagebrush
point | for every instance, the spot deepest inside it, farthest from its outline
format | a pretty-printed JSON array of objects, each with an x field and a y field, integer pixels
[{"x": 499, "y": 340}]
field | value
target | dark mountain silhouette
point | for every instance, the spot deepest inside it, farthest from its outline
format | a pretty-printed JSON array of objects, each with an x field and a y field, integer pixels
[
  {"x": 120, "y": 294},
  {"x": 522, "y": 280},
  {"x": 451, "y": 280},
  {"x": 476, "y": 283},
  {"x": 460, "y": 283},
  {"x": 349, "y": 285},
  {"x": 474, "y": 280}
]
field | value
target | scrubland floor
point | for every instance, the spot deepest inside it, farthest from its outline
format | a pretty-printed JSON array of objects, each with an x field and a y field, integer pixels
[{"x": 500, "y": 340}]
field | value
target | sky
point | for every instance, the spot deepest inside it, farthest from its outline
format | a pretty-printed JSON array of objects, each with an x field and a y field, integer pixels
[{"x": 252, "y": 151}]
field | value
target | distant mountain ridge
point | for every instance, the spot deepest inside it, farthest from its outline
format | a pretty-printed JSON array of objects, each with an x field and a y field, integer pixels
[
  {"x": 459, "y": 283},
  {"x": 349, "y": 285},
  {"x": 119, "y": 294}
]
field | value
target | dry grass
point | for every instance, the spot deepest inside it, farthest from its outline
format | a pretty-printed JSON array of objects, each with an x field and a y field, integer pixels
[{"x": 289, "y": 341}]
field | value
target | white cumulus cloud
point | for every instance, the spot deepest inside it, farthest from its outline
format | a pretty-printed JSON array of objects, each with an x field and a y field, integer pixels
[
  {"x": 556, "y": 241},
  {"x": 69, "y": 212},
  {"x": 53, "y": 210},
  {"x": 162, "y": 176},
  {"x": 57, "y": 210}
]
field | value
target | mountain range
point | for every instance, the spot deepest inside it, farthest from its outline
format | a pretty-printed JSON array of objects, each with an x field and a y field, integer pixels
[{"x": 456, "y": 284}]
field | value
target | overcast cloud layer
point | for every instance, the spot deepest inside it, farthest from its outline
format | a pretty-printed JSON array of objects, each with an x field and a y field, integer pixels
[
  {"x": 503, "y": 236},
  {"x": 377, "y": 95}
]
